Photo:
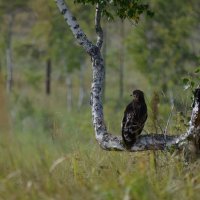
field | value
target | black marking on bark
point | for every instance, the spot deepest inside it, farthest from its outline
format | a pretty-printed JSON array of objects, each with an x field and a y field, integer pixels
[
  {"x": 94, "y": 52},
  {"x": 79, "y": 35},
  {"x": 63, "y": 11},
  {"x": 77, "y": 26},
  {"x": 74, "y": 18}
]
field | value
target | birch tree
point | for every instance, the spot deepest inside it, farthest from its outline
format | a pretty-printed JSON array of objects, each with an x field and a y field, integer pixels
[
  {"x": 8, "y": 11},
  {"x": 107, "y": 141}
]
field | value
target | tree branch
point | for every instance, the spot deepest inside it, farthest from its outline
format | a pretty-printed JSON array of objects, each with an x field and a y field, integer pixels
[
  {"x": 78, "y": 33},
  {"x": 110, "y": 142},
  {"x": 98, "y": 27}
]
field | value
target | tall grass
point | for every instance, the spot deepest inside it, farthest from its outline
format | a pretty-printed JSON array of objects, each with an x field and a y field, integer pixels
[{"x": 52, "y": 154}]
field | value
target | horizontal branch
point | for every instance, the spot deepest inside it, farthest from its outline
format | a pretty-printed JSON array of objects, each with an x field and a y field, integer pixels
[{"x": 110, "y": 142}]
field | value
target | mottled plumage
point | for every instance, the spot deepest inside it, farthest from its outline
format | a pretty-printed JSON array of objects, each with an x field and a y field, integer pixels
[{"x": 135, "y": 116}]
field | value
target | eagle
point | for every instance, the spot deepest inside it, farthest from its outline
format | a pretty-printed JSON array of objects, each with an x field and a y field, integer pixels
[{"x": 135, "y": 116}]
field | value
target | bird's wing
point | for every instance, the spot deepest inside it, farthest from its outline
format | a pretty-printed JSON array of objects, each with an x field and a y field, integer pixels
[
  {"x": 126, "y": 117},
  {"x": 129, "y": 119},
  {"x": 143, "y": 119}
]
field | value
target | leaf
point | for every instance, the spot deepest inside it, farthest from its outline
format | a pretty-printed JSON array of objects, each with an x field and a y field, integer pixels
[
  {"x": 192, "y": 83},
  {"x": 185, "y": 81},
  {"x": 197, "y": 70},
  {"x": 150, "y": 13}
]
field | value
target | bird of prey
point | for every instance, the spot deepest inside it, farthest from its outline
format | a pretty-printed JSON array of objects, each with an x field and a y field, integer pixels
[{"x": 135, "y": 116}]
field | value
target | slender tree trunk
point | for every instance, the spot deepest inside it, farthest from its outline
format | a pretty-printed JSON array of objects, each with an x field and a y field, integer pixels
[
  {"x": 121, "y": 62},
  {"x": 9, "y": 62},
  {"x": 69, "y": 91},
  {"x": 48, "y": 77},
  {"x": 82, "y": 87},
  {"x": 4, "y": 118},
  {"x": 9, "y": 70}
]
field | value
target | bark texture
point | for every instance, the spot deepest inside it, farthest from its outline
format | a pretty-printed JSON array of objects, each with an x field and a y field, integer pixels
[{"x": 109, "y": 141}]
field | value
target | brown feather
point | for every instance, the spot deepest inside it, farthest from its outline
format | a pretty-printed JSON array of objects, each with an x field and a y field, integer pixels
[{"x": 135, "y": 116}]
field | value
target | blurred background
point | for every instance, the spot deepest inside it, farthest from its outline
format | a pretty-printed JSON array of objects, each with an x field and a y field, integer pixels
[{"x": 47, "y": 144}]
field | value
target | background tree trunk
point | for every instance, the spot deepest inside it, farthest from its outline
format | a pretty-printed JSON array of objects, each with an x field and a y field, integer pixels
[
  {"x": 4, "y": 117},
  {"x": 48, "y": 77},
  {"x": 9, "y": 62},
  {"x": 69, "y": 91},
  {"x": 82, "y": 87}
]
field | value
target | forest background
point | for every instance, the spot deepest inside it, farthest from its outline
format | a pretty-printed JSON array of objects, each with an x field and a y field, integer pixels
[{"x": 47, "y": 144}]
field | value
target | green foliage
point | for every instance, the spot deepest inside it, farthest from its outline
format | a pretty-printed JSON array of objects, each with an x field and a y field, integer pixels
[
  {"x": 125, "y": 9},
  {"x": 68, "y": 162},
  {"x": 192, "y": 80},
  {"x": 57, "y": 40},
  {"x": 9, "y": 6},
  {"x": 161, "y": 46}
]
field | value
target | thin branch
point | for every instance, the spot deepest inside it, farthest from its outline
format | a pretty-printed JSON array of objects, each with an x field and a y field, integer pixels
[
  {"x": 98, "y": 28},
  {"x": 78, "y": 33}
]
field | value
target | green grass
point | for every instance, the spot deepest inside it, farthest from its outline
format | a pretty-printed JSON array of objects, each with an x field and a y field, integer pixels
[
  {"x": 39, "y": 168},
  {"x": 49, "y": 153},
  {"x": 64, "y": 161}
]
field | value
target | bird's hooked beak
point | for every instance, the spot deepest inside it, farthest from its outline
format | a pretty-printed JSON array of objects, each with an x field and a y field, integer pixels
[{"x": 135, "y": 97}]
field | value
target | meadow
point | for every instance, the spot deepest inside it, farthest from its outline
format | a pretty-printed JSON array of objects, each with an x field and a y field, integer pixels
[{"x": 47, "y": 152}]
